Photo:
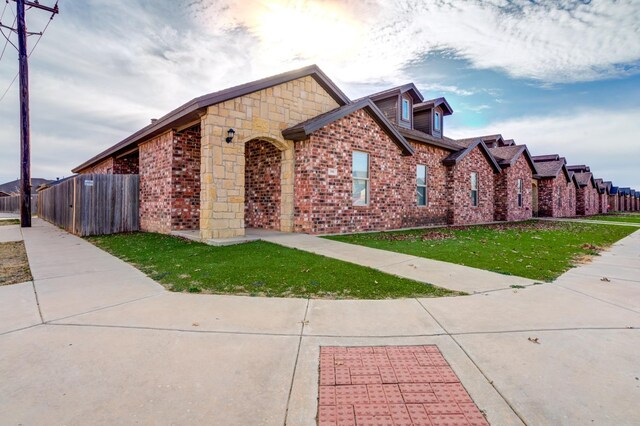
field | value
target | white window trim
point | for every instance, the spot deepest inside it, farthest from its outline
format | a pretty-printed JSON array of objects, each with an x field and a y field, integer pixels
[
  {"x": 425, "y": 186},
  {"x": 476, "y": 189},
  {"x": 402, "y": 103},
  {"x": 367, "y": 180}
]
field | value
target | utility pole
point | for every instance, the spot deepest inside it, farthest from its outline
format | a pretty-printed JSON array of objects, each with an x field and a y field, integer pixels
[{"x": 25, "y": 136}]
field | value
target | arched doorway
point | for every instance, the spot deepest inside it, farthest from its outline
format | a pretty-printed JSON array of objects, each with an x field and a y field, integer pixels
[{"x": 534, "y": 198}]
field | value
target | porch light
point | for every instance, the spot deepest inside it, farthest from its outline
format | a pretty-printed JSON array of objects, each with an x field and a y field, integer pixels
[{"x": 230, "y": 134}]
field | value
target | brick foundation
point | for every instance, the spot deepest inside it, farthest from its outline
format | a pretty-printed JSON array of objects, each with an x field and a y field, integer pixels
[{"x": 262, "y": 185}]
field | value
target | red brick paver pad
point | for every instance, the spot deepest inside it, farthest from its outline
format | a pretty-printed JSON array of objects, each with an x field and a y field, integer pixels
[{"x": 392, "y": 386}]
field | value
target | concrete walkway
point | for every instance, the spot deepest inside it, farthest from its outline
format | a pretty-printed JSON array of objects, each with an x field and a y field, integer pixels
[
  {"x": 92, "y": 340},
  {"x": 441, "y": 274}
]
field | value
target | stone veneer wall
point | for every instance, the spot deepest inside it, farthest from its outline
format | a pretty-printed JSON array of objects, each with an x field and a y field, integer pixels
[
  {"x": 262, "y": 185},
  {"x": 259, "y": 115},
  {"x": 459, "y": 176},
  {"x": 506, "y": 192}
]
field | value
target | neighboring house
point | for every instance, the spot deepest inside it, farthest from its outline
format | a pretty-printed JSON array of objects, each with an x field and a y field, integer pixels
[
  {"x": 587, "y": 193},
  {"x": 614, "y": 203},
  {"x": 13, "y": 187},
  {"x": 4, "y": 194},
  {"x": 556, "y": 186},
  {"x": 293, "y": 153},
  {"x": 603, "y": 196}
]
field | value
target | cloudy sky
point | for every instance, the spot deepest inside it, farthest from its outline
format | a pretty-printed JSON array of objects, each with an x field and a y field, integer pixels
[{"x": 561, "y": 76}]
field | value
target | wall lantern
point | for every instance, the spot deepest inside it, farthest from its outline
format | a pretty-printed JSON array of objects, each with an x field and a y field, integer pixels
[{"x": 230, "y": 134}]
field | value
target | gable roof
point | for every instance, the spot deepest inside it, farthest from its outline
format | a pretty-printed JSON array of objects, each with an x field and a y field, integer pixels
[
  {"x": 547, "y": 157},
  {"x": 508, "y": 155},
  {"x": 486, "y": 139},
  {"x": 550, "y": 169},
  {"x": 602, "y": 188},
  {"x": 395, "y": 91},
  {"x": 580, "y": 168},
  {"x": 457, "y": 156},
  {"x": 613, "y": 190},
  {"x": 432, "y": 103},
  {"x": 302, "y": 130},
  {"x": 585, "y": 178},
  {"x": 423, "y": 137},
  {"x": 192, "y": 110}
]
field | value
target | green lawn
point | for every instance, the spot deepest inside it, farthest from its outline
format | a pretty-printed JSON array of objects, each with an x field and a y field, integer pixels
[
  {"x": 9, "y": 222},
  {"x": 617, "y": 217},
  {"x": 257, "y": 268},
  {"x": 540, "y": 250}
]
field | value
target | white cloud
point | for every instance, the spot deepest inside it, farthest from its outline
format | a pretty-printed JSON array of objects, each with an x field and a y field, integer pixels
[{"x": 606, "y": 140}]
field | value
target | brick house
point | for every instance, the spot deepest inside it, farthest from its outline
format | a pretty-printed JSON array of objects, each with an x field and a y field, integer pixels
[
  {"x": 556, "y": 186},
  {"x": 293, "y": 153},
  {"x": 603, "y": 196},
  {"x": 614, "y": 198},
  {"x": 587, "y": 193}
]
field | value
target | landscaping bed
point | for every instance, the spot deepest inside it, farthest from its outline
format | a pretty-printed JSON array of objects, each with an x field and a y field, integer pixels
[
  {"x": 540, "y": 250},
  {"x": 257, "y": 268},
  {"x": 14, "y": 266}
]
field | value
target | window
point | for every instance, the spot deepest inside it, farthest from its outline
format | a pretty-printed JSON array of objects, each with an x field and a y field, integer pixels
[
  {"x": 436, "y": 121},
  {"x": 360, "y": 175},
  {"x": 421, "y": 184},
  {"x": 405, "y": 109},
  {"x": 559, "y": 197},
  {"x": 474, "y": 189},
  {"x": 519, "y": 186}
]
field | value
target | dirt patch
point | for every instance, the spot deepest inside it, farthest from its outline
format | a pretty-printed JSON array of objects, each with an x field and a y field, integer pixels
[
  {"x": 542, "y": 225},
  {"x": 9, "y": 222},
  {"x": 14, "y": 267}
]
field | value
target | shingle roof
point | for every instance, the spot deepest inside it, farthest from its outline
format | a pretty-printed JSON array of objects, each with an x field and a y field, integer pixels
[
  {"x": 432, "y": 103},
  {"x": 191, "y": 110},
  {"x": 469, "y": 141},
  {"x": 548, "y": 157},
  {"x": 457, "y": 156},
  {"x": 13, "y": 187},
  {"x": 409, "y": 87},
  {"x": 548, "y": 169},
  {"x": 302, "y": 130},
  {"x": 584, "y": 178},
  {"x": 419, "y": 136},
  {"x": 613, "y": 190},
  {"x": 580, "y": 168}
]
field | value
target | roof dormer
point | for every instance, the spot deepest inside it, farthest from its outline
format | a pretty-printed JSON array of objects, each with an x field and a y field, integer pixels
[
  {"x": 397, "y": 104},
  {"x": 428, "y": 116}
]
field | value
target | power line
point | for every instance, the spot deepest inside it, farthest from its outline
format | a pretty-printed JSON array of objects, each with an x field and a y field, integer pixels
[{"x": 30, "y": 52}]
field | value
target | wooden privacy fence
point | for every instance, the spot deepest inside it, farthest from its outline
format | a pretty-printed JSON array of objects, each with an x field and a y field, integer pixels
[
  {"x": 93, "y": 204},
  {"x": 12, "y": 204}
]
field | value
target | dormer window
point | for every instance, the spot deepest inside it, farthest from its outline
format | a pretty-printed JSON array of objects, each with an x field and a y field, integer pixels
[
  {"x": 405, "y": 109},
  {"x": 436, "y": 121}
]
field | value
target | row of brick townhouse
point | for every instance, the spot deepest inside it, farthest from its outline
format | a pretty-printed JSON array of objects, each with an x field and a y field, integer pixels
[{"x": 293, "y": 153}]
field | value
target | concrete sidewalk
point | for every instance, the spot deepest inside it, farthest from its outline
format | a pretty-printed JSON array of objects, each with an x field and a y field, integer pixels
[
  {"x": 441, "y": 274},
  {"x": 114, "y": 347}
]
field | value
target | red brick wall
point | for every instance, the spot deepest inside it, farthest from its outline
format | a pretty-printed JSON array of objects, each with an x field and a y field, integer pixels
[
  {"x": 555, "y": 197},
  {"x": 586, "y": 201},
  {"x": 323, "y": 202},
  {"x": 603, "y": 203},
  {"x": 126, "y": 165},
  {"x": 102, "y": 168},
  {"x": 185, "y": 179},
  {"x": 461, "y": 211},
  {"x": 262, "y": 185},
  {"x": 155, "y": 184},
  {"x": 506, "y": 193},
  {"x": 613, "y": 202}
]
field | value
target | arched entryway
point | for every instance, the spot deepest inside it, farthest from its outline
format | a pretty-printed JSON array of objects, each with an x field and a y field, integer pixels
[
  {"x": 534, "y": 198},
  {"x": 262, "y": 185},
  {"x": 268, "y": 184}
]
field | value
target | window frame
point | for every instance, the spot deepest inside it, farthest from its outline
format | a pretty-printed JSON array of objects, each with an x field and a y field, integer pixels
[
  {"x": 519, "y": 188},
  {"x": 436, "y": 121},
  {"x": 475, "y": 202},
  {"x": 402, "y": 110},
  {"x": 425, "y": 186},
  {"x": 367, "y": 180}
]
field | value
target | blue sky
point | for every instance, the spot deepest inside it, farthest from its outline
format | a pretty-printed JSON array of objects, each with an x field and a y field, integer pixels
[{"x": 561, "y": 76}]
